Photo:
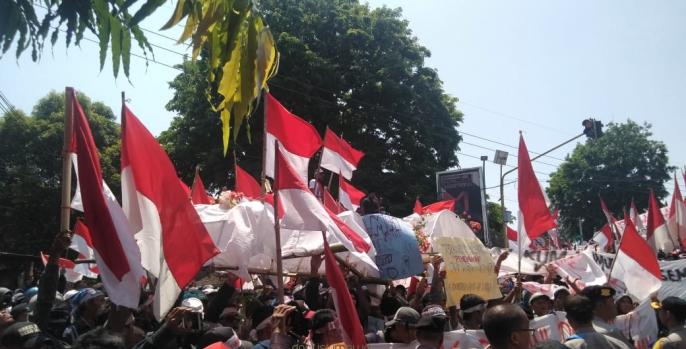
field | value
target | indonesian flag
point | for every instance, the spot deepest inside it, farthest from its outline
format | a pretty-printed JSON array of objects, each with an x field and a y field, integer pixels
[
  {"x": 304, "y": 212},
  {"x": 533, "y": 209},
  {"x": 338, "y": 156},
  {"x": 553, "y": 233},
  {"x": 636, "y": 218},
  {"x": 611, "y": 220},
  {"x": 604, "y": 237},
  {"x": 677, "y": 216},
  {"x": 513, "y": 238},
  {"x": 351, "y": 329},
  {"x": 82, "y": 243},
  {"x": 115, "y": 250},
  {"x": 349, "y": 196},
  {"x": 636, "y": 269},
  {"x": 582, "y": 268},
  {"x": 657, "y": 233},
  {"x": 298, "y": 139},
  {"x": 439, "y": 206},
  {"x": 331, "y": 204},
  {"x": 246, "y": 184},
  {"x": 198, "y": 194},
  {"x": 173, "y": 241}
]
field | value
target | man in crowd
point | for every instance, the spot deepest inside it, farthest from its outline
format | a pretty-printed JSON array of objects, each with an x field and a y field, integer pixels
[
  {"x": 580, "y": 314},
  {"x": 430, "y": 327},
  {"x": 401, "y": 329},
  {"x": 507, "y": 327},
  {"x": 672, "y": 314},
  {"x": 540, "y": 304},
  {"x": 604, "y": 311},
  {"x": 472, "y": 309}
]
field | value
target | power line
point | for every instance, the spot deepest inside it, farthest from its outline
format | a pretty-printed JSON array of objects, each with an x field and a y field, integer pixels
[
  {"x": 495, "y": 112},
  {"x": 515, "y": 156}
]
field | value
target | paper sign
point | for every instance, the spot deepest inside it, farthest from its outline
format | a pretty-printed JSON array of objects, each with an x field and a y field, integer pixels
[
  {"x": 469, "y": 269},
  {"x": 397, "y": 253},
  {"x": 551, "y": 327}
]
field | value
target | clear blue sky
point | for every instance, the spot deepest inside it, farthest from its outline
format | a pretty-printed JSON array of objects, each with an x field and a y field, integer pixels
[{"x": 536, "y": 66}]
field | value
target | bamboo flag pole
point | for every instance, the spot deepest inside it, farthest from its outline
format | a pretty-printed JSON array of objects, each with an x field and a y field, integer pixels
[
  {"x": 65, "y": 209},
  {"x": 263, "y": 176},
  {"x": 277, "y": 227}
]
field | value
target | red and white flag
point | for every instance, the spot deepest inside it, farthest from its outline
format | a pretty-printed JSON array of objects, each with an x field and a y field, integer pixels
[
  {"x": 246, "y": 184},
  {"x": 174, "y": 242},
  {"x": 351, "y": 329},
  {"x": 636, "y": 269},
  {"x": 338, "y": 156},
  {"x": 349, "y": 196},
  {"x": 532, "y": 206},
  {"x": 82, "y": 243},
  {"x": 417, "y": 207},
  {"x": 304, "y": 212},
  {"x": 331, "y": 204},
  {"x": 657, "y": 232},
  {"x": 636, "y": 218},
  {"x": 582, "y": 268},
  {"x": 604, "y": 238},
  {"x": 198, "y": 193},
  {"x": 439, "y": 206},
  {"x": 298, "y": 139},
  {"x": 115, "y": 250},
  {"x": 611, "y": 220},
  {"x": 677, "y": 216}
]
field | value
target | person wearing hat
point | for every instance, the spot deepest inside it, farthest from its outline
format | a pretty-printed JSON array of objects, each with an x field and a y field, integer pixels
[
  {"x": 400, "y": 328},
  {"x": 27, "y": 335},
  {"x": 20, "y": 312},
  {"x": 472, "y": 308},
  {"x": 580, "y": 316},
  {"x": 672, "y": 314},
  {"x": 507, "y": 327},
  {"x": 625, "y": 304},
  {"x": 604, "y": 311},
  {"x": 429, "y": 328},
  {"x": 87, "y": 307},
  {"x": 540, "y": 304}
]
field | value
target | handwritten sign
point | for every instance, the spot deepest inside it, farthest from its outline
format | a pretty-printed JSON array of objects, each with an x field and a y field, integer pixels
[
  {"x": 469, "y": 268},
  {"x": 551, "y": 327},
  {"x": 397, "y": 253}
]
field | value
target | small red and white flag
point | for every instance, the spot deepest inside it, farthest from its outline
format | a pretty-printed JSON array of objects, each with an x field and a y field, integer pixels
[
  {"x": 82, "y": 243},
  {"x": 351, "y": 329},
  {"x": 604, "y": 238},
  {"x": 174, "y": 242},
  {"x": 338, "y": 156},
  {"x": 331, "y": 204},
  {"x": 115, "y": 250},
  {"x": 636, "y": 269},
  {"x": 246, "y": 184},
  {"x": 304, "y": 212},
  {"x": 298, "y": 139},
  {"x": 636, "y": 218},
  {"x": 439, "y": 206},
  {"x": 677, "y": 216},
  {"x": 198, "y": 193},
  {"x": 349, "y": 196},
  {"x": 611, "y": 220},
  {"x": 657, "y": 232},
  {"x": 532, "y": 206}
]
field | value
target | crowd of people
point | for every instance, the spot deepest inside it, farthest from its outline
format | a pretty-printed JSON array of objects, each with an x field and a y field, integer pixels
[{"x": 46, "y": 315}]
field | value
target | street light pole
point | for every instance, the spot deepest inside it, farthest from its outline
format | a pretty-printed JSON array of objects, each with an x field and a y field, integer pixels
[
  {"x": 484, "y": 207},
  {"x": 502, "y": 177},
  {"x": 581, "y": 231}
]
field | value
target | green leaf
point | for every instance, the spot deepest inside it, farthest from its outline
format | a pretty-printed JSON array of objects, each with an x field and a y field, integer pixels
[
  {"x": 126, "y": 51},
  {"x": 226, "y": 121},
  {"x": 53, "y": 37},
  {"x": 115, "y": 34},
  {"x": 179, "y": 13},
  {"x": 103, "y": 19},
  {"x": 149, "y": 7}
]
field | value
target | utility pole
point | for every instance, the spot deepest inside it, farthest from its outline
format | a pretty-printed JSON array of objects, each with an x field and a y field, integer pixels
[{"x": 484, "y": 210}]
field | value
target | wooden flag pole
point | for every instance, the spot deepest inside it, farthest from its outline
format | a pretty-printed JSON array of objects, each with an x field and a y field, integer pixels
[
  {"x": 263, "y": 176},
  {"x": 65, "y": 209},
  {"x": 277, "y": 227}
]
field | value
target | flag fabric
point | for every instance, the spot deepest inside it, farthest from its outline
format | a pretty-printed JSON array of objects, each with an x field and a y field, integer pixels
[
  {"x": 298, "y": 139},
  {"x": 114, "y": 247},
  {"x": 636, "y": 218},
  {"x": 304, "y": 212},
  {"x": 582, "y": 268},
  {"x": 439, "y": 206},
  {"x": 246, "y": 184},
  {"x": 604, "y": 238},
  {"x": 349, "y": 196},
  {"x": 351, "y": 329},
  {"x": 636, "y": 269},
  {"x": 553, "y": 233},
  {"x": 82, "y": 243},
  {"x": 417, "y": 207},
  {"x": 338, "y": 156},
  {"x": 198, "y": 194},
  {"x": 677, "y": 216},
  {"x": 534, "y": 211},
  {"x": 611, "y": 220},
  {"x": 174, "y": 242},
  {"x": 331, "y": 204},
  {"x": 657, "y": 233}
]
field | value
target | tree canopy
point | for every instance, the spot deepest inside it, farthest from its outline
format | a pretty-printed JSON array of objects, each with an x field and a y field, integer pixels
[
  {"x": 343, "y": 65},
  {"x": 622, "y": 165},
  {"x": 31, "y": 165}
]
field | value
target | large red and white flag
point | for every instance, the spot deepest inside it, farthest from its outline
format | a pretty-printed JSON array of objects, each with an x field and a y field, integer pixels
[
  {"x": 349, "y": 196},
  {"x": 439, "y": 206},
  {"x": 532, "y": 206},
  {"x": 246, "y": 184},
  {"x": 304, "y": 212},
  {"x": 677, "y": 216},
  {"x": 115, "y": 250},
  {"x": 351, "y": 329},
  {"x": 174, "y": 243},
  {"x": 657, "y": 232},
  {"x": 198, "y": 193},
  {"x": 298, "y": 139},
  {"x": 338, "y": 156},
  {"x": 636, "y": 269}
]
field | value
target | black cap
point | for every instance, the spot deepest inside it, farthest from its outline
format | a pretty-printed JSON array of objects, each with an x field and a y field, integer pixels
[
  {"x": 598, "y": 293},
  {"x": 21, "y": 334},
  {"x": 19, "y": 309},
  {"x": 674, "y": 305},
  {"x": 433, "y": 319}
]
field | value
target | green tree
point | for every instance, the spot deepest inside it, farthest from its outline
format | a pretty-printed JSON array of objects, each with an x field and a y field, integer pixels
[
  {"x": 31, "y": 165},
  {"x": 623, "y": 164},
  {"x": 495, "y": 223},
  {"x": 357, "y": 70}
]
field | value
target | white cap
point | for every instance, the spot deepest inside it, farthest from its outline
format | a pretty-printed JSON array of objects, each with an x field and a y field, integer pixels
[{"x": 194, "y": 304}]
